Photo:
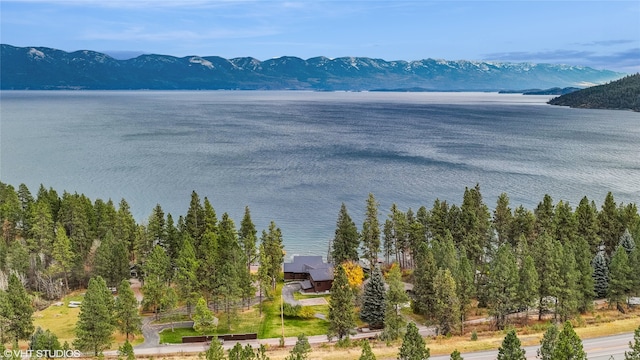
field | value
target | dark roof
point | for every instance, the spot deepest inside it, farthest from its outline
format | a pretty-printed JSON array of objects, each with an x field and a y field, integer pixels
[
  {"x": 302, "y": 264},
  {"x": 305, "y": 285},
  {"x": 321, "y": 274}
]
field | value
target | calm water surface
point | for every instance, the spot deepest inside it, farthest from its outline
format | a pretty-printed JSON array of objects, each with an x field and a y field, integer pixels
[{"x": 293, "y": 157}]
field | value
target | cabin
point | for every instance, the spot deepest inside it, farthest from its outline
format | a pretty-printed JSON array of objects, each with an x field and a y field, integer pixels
[{"x": 313, "y": 273}]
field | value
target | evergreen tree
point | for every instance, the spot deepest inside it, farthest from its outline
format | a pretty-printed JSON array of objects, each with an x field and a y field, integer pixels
[
  {"x": 20, "y": 314},
  {"x": 544, "y": 216},
  {"x": 627, "y": 242},
  {"x": 112, "y": 260},
  {"x": 156, "y": 268},
  {"x": 620, "y": 282},
  {"x": 609, "y": 225},
  {"x": 413, "y": 346},
  {"x": 203, "y": 320},
  {"x": 187, "y": 274},
  {"x": 634, "y": 354},
  {"x": 345, "y": 242},
  {"x": 62, "y": 253},
  {"x": 511, "y": 348},
  {"x": 600, "y": 275},
  {"x": 455, "y": 355},
  {"x": 465, "y": 287},
  {"x": 502, "y": 285},
  {"x": 228, "y": 274},
  {"x": 565, "y": 224},
  {"x": 194, "y": 220},
  {"x": 568, "y": 345},
  {"x": 584, "y": 271},
  {"x": 209, "y": 218},
  {"x": 126, "y": 315},
  {"x": 547, "y": 261},
  {"x": 273, "y": 254},
  {"x": 395, "y": 297},
  {"x": 444, "y": 252},
  {"x": 423, "y": 275},
  {"x": 475, "y": 221},
  {"x": 157, "y": 230},
  {"x": 247, "y": 236},
  {"x": 95, "y": 322},
  {"x": 373, "y": 301},
  {"x": 341, "y": 307},
  {"x": 371, "y": 232},
  {"x": 215, "y": 351},
  {"x": 503, "y": 219},
  {"x": 5, "y": 316},
  {"x": 529, "y": 285},
  {"x": 42, "y": 227},
  {"x": 44, "y": 340},
  {"x": 300, "y": 350},
  {"x": 447, "y": 305},
  {"x": 126, "y": 351},
  {"x": 523, "y": 224},
  {"x": 548, "y": 343},
  {"x": 367, "y": 353},
  {"x": 568, "y": 292},
  {"x": 241, "y": 353},
  {"x": 587, "y": 218},
  {"x": 125, "y": 232}
]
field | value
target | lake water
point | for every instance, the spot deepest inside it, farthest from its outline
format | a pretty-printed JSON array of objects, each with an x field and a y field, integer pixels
[{"x": 294, "y": 157}]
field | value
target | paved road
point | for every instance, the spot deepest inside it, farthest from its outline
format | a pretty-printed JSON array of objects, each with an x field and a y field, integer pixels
[{"x": 603, "y": 348}]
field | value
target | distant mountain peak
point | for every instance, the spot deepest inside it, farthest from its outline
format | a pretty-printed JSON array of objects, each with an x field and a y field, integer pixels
[{"x": 46, "y": 68}]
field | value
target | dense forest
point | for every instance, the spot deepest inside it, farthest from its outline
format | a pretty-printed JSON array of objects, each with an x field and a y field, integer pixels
[
  {"x": 554, "y": 258},
  {"x": 618, "y": 95}
]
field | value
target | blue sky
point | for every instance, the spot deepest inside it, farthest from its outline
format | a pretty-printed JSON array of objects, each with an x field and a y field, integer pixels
[{"x": 600, "y": 34}]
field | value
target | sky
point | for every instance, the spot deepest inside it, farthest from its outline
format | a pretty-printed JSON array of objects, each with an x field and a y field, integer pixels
[{"x": 599, "y": 34}]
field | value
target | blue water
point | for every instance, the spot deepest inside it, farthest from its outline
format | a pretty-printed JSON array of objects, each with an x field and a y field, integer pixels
[{"x": 293, "y": 157}]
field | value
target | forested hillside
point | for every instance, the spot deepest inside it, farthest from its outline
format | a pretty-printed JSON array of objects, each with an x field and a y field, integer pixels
[
  {"x": 618, "y": 95},
  {"x": 555, "y": 258}
]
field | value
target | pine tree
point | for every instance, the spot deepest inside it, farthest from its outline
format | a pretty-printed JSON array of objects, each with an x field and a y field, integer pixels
[
  {"x": 272, "y": 255},
  {"x": 210, "y": 220},
  {"x": 203, "y": 320},
  {"x": 127, "y": 316},
  {"x": 341, "y": 307},
  {"x": 44, "y": 340},
  {"x": 62, "y": 253},
  {"x": 600, "y": 275},
  {"x": 568, "y": 292},
  {"x": 447, "y": 305},
  {"x": 395, "y": 297},
  {"x": 112, "y": 260},
  {"x": 194, "y": 220},
  {"x": 634, "y": 354},
  {"x": 609, "y": 225},
  {"x": 503, "y": 219},
  {"x": 156, "y": 268},
  {"x": 346, "y": 241},
  {"x": 367, "y": 353},
  {"x": 20, "y": 314},
  {"x": 465, "y": 286},
  {"x": 300, "y": 350},
  {"x": 529, "y": 284},
  {"x": 620, "y": 282},
  {"x": 587, "y": 218},
  {"x": 186, "y": 274},
  {"x": 371, "y": 232},
  {"x": 511, "y": 348},
  {"x": 548, "y": 343},
  {"x": 423, "y": 281},
  {"x": 413, "y": 346},
  {"x": 215, "y": 351},
  {"x": 247, "y": 236},
  {"x": 373, "y": 301},
  {"x": 241, "y": 353},
  {"x": 565, "y": 224},
  {"x": 95, "y": 322},
  {"x": 548, "y": 266},
  {"x": 568, "y": 345},
  {"x": 455, "y": 355},
  {"x": 232, "y": 262},
  {"x": 502, "y": 285},
  {"x": 444, "y": 252},
  {"x": 125, "y": 233},
  {"x": 584, "y": 281},
  {"x": 475, "y": 221},
  {"x": 126, "y": 351},
  {"x": 544, "y": 216}
]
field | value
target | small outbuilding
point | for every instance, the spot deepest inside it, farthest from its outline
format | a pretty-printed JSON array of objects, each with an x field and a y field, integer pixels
[{"x": 316, "y": 275}]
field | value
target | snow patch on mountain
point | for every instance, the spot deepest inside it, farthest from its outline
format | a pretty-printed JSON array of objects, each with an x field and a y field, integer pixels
[
  {"x": 201, "y": 61},
  {"x": 36, "y": 54}
]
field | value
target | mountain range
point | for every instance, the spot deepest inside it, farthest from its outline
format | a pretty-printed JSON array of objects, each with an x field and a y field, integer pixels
[{"x": 41, "y": 68}]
